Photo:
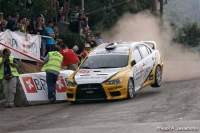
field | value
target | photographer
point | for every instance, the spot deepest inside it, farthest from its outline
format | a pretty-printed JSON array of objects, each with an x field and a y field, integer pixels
[{"x": 9, "y": 74}]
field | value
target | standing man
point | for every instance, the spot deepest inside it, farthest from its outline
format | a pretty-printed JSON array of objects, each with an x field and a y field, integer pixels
[
  {"x": 53, "y": 61},
  {"x": 50, "y": 41},
  {"x": 99, "y": 39},
  {"x": 9, "y": 74},
  {"x": 70, "y": 60},
  {"x": 85, "y": 52}
]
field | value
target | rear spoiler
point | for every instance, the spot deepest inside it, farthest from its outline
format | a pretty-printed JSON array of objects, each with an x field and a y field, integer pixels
[{"x": 151, "y": 44}]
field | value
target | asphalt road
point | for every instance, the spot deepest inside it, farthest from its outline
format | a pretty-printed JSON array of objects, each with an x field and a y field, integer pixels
[{"x": 175, "y": 106}]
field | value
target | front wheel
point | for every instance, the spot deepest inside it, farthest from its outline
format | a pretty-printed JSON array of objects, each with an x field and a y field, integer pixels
[
  {"x": 158, "y": 77},
  {"x": 130, "y": 89}
]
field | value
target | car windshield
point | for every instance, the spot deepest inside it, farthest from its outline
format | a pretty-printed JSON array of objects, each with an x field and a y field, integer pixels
[{"x": 105, "y": 61}]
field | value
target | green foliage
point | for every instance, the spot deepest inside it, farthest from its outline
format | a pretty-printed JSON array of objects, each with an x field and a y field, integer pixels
[
  {"x": 71, "y": 39},
  {"x": 39, "y": 7},
  {"x": 42, "y": 7},
  {"x": 189, "y": 35},
  {"x": 10, "y": 6},
  {"x": 103, "y": 14},
  {"x": 178, "y": 10}
]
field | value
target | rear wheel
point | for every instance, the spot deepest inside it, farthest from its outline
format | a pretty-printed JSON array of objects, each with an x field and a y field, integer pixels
[
  {"x": 130, "y": 89},
  {"x": 158, "y": 77}
]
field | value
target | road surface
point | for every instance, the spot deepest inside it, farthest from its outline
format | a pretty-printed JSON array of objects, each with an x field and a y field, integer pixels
[{"x": 174, "y": 106}]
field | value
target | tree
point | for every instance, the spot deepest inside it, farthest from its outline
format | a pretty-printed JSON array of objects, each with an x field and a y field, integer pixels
[
  {"x": 134, "y": 2},
  {"x": 154, "y": 6},
  {"x": 189, "y": 35}
]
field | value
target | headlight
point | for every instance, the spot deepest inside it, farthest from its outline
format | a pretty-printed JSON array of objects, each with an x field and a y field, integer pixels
[
  {"x": 71, "y": 84},
  {"x": 116, "y": 81}
]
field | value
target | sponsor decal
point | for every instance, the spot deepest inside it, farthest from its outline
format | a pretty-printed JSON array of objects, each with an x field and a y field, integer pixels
[
  {"x": 91, "y": 77},
  {"x": 60, "y": 85},
  {"x": 29, "y": 85},
  {"x": 111, "y": 52},
  {"x": 141, "y": 70},
  {"x": 115, "y": 87},
  {"x": 85, "y": 71}
]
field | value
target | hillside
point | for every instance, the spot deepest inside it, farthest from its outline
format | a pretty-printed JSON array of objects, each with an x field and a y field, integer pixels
[
  {"x": 182, "y": 11},
  {"x": 24, "y": 67}
]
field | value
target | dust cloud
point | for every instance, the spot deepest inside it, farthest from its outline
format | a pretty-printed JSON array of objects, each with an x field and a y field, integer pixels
[{"x": 179, "y": 62}]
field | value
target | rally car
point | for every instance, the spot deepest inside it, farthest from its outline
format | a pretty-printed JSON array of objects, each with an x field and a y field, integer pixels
[{"x": 116, "y": 71}]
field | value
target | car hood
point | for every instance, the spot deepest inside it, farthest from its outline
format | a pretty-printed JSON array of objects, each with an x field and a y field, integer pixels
[{"x": 84, "y": 76}]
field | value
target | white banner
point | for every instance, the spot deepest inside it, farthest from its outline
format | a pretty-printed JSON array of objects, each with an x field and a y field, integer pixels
[
  {"x": 26, "y": 43},
  {"x": 35, "y": 87}
]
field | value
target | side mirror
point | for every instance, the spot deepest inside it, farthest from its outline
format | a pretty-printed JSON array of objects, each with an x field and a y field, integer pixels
[{"x": 133, "y": 63}]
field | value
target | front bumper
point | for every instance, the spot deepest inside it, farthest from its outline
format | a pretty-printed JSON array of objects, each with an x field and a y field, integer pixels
[{"x": 88, "y": 92}]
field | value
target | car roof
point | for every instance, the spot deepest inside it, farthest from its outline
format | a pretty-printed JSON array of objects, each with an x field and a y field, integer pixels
[
  {"x": 120, "y": 45},
  {"x": 124, "y": 45}
]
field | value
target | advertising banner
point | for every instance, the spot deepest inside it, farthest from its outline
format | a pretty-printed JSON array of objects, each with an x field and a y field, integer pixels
[
  {"x": 26, "y": 43},
  {"x": 35, "y": 87}
]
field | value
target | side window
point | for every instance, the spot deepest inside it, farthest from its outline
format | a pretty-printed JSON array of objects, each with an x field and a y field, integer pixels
[
  {"x": 136, "y": 55},
  {"x": 144, "y": 51}
]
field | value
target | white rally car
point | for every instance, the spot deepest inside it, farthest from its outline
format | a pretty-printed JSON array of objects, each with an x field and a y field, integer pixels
[{"x": 116, "y": 71}]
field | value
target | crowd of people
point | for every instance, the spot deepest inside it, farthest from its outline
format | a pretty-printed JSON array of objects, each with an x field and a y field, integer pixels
[
  {"x": 51, "y": 47},
  {"x": 77, "y": 23}
]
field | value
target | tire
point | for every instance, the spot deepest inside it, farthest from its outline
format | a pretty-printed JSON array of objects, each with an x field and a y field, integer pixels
[
  {"x": 158, "y": 77},
  {"x": 130, "y": 89}
]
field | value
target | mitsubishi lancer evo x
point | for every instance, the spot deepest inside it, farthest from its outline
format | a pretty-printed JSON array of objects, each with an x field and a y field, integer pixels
[{"x": 116, "y": 71}]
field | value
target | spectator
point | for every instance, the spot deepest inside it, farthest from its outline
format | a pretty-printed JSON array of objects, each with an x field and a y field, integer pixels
[
  {"x": 70, "y": 60},
  {"x": 80, "y": 11},
  {"x": 83, "y": 22},
  {"x": 28, "y": 26},
  {"x": 12, "y": 23},
  {"x": 57, "y": 39},
  {"x": 43, "y": 20},
  {"x": 59, "y": 14},
  {"x": 41, "y": 29},
  {"x": 89, "y": 41},
  {"x": 75, "y": 49},
  {"x": 85, "y": 52},
  {"x": 62, "y": 23},
  {"x": 33, "y": 29},
  {"x": 92, "y": 37},
  {"x": 8, "y": 18},
  {"x": 9, "y": 75},
  {"x": 40, "y": 24},
  {"x": 16, "y": 15},
  {"x": 72, "y": 14},
  {"x": 53, "y": 61},
  {"x": 24, "y": 20},
  {"x": 56, "y": 5},
  {"x": 99, "y": 39},
  {"x": 50, "y": 41},
  {"x": 2, "y": 22},
  {"x": 21, "y": 26},
  {"x": 14, "y": 27}
]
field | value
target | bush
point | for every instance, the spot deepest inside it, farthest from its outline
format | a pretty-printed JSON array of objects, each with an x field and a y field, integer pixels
[
  {"x": 71, "y": 39},
  {"x": 189, "y": 35}
]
